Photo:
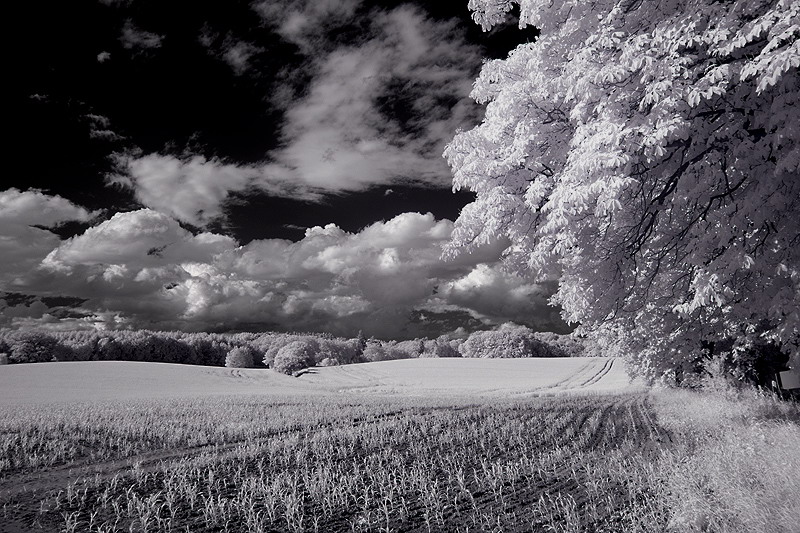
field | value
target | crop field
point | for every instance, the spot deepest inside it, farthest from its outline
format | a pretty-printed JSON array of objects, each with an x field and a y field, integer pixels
[
  {"x": 344, "y": 461},
  {"x": 252, "y": 464}
]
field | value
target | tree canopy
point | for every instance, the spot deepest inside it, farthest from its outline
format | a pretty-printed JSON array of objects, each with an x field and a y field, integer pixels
[{"x": 645, "y": 155}]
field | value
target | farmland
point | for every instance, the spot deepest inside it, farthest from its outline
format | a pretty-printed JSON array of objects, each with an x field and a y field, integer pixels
[{"x": 319, "y": 453}]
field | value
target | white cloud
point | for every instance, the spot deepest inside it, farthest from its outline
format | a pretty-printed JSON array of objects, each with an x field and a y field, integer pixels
[
  {"x": 304, "y": 22},
  {"x": 99, "y": 128},
  {"x": 136, "y": 240},
  {"x": 377, "y": 111},
  {"x": 194, "y": 190},
  {"x": 234, "y": 52},
  {"x": 143, "y": 267},
  {"x": 332, "y": 138},
  {"x": 133, "y": 38},
  {"x": 35, "y": 207},
  {"x": 237, "y": 55},
  {"x": 23, "y": 246},
  {"x": 501, "y": 296}
]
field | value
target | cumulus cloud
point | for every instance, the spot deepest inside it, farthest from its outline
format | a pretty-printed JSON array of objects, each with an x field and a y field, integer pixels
[
  {"x": 22, "y": 244},
  {"x": 137, "y": 239},
  {"x": 339, "y": 281},
  {"x": 35, "y": 207},
  {"x": 144, "y": 269},
  {"x": 379, "y": 109},
  {"x": 499, "y": 296},
  {"x": 127, "y": 265}
]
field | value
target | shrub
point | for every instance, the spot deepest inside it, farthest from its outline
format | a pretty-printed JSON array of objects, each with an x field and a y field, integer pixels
[
  {"x": 3, "y": 358},
  {"x": 240, "y": 357},
  {"x": 32, "y": 347},
  {"x": 411, "y": 349},
  {"x": 273, "y": 343},
  {"x": 349, "y": 351},
  {"x": 509, "y": 340},
  {"x": 341, "y": 350},
  {"x": 295, "y": 356},
  {"x": 568, "y": 345},
  {"x": 442, "y": 346},
  {"x": 445, "y": 349},
  {"x": 383, "y": 351},
  {"x": 375, "y": 352}
]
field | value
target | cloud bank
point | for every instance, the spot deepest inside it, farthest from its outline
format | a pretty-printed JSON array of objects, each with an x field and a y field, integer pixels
[{"x": 142, "y": 269}]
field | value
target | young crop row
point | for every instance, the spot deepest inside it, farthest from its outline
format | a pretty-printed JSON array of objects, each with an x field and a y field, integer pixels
[
  {"x": 33, "y": 437},
  {"x": 574, "y": 464}
]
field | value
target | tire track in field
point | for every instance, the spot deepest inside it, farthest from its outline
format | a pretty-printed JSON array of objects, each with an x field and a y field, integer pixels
[
  {"x": 601, "y": 374},
  {"x": 632, "y": 424},
  {"x": 656, "y": 436},
  {"x": 585, "y": 376},
  {"x": 574, "y": 380},
  {"x": 58, "y": 477}
]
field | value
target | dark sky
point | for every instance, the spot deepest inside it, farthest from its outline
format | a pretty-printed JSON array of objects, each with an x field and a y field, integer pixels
[{"x": 243, "y": 165}]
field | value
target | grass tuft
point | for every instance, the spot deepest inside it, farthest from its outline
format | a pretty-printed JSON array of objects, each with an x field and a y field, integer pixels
[{"x": 735, "y": 461}]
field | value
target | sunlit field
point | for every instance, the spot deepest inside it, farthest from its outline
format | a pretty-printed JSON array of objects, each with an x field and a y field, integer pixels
[{"x": 330, "y": 458}]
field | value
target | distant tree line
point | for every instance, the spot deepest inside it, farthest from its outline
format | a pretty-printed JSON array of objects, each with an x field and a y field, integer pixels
[{"x": 283, "y": 352}]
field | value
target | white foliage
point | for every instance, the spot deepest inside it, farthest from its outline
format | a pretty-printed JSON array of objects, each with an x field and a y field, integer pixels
[
  {"x": 647, "y": 155},
  {"x": 240, "y": 357},
  {"x": 295, "y": 356},
  {"x": 508, "y": 341}
]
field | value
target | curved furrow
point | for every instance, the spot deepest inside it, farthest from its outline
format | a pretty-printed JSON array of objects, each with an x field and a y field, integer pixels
[{"x": 603, "y": 371}]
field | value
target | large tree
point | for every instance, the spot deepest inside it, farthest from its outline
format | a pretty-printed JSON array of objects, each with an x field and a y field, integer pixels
[{"x": 645, "y": 154}]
